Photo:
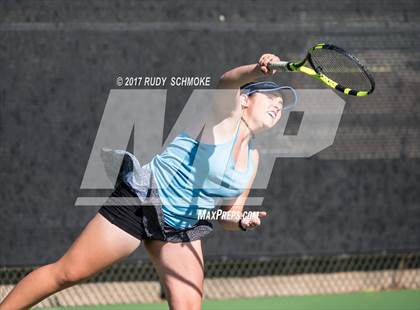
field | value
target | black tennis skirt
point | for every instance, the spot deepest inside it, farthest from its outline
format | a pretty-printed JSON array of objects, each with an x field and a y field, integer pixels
[{"x": 142, "y": 216}]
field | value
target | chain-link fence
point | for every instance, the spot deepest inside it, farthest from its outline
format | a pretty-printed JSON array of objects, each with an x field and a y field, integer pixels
[{"x": 238, "y": 277}]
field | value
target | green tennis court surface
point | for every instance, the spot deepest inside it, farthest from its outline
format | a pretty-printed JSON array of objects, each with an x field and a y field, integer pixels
[{"x": 392, "y": 300}]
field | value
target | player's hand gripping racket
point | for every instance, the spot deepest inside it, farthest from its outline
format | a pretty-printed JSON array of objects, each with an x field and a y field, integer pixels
[{"x": 334, "y": 67}]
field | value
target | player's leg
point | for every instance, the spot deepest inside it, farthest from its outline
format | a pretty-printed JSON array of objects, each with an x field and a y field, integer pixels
[
  {"x": 100, "y": 244},
  {"x": 181, "y": 270}
]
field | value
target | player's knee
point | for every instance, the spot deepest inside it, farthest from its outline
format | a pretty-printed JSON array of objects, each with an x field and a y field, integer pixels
[
  {"x": 182, "y": 301},
  {"x": 69, "y": 275}
]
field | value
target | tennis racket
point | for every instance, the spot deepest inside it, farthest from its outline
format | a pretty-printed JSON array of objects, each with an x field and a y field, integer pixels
[{"x": 335, "y": 67}]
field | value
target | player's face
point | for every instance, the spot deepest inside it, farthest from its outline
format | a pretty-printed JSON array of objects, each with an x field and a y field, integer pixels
[{"x": 264, "y": 110}]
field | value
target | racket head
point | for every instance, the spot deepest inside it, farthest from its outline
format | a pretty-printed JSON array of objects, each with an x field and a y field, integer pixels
[{"x": 339, "y": 69}]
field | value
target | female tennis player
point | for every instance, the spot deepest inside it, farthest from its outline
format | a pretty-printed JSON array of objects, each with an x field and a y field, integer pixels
[{"x": 170, "y": 229}]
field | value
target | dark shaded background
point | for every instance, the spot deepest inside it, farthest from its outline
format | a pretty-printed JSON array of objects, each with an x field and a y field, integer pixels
[{"x": 59, "y": 60}]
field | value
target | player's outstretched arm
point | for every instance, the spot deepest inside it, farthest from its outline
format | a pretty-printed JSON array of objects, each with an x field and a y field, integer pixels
[{"x": 239, "y": 76}]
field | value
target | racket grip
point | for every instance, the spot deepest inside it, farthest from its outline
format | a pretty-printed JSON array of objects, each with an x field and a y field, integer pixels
[{"x": 280, "y": 65}]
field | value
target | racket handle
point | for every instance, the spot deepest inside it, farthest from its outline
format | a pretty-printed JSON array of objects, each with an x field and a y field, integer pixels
[{"x": 280, "y": 65}]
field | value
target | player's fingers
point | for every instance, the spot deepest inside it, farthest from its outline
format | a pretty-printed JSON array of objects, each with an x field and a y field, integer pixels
[
  {"x": 264, "y": 69},
  {"x": 265, "y": 59},
  {"x": 262, "y": 214},
  {"x": 263, "y": 56},
  {"x": 269, "y": 58},
  {"x": 246, "y": 221},
  {"x": 261, "y": 60},
  {"x": 274, "y": 58},
  {"x": 255, "y": 222},
  {"x": 269, "y": 61}
]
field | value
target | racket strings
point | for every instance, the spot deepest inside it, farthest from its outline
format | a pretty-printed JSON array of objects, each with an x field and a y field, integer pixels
[{"x": 341, "y": 68}]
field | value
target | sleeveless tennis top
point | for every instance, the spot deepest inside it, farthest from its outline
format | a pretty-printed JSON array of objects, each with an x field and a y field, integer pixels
[{"x": 192, "y": 177}]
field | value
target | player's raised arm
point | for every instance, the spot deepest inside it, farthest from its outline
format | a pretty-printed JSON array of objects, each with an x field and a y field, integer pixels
[
  {"x": 226, "y": 102},
  {"x": 239, "y": 76}
]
